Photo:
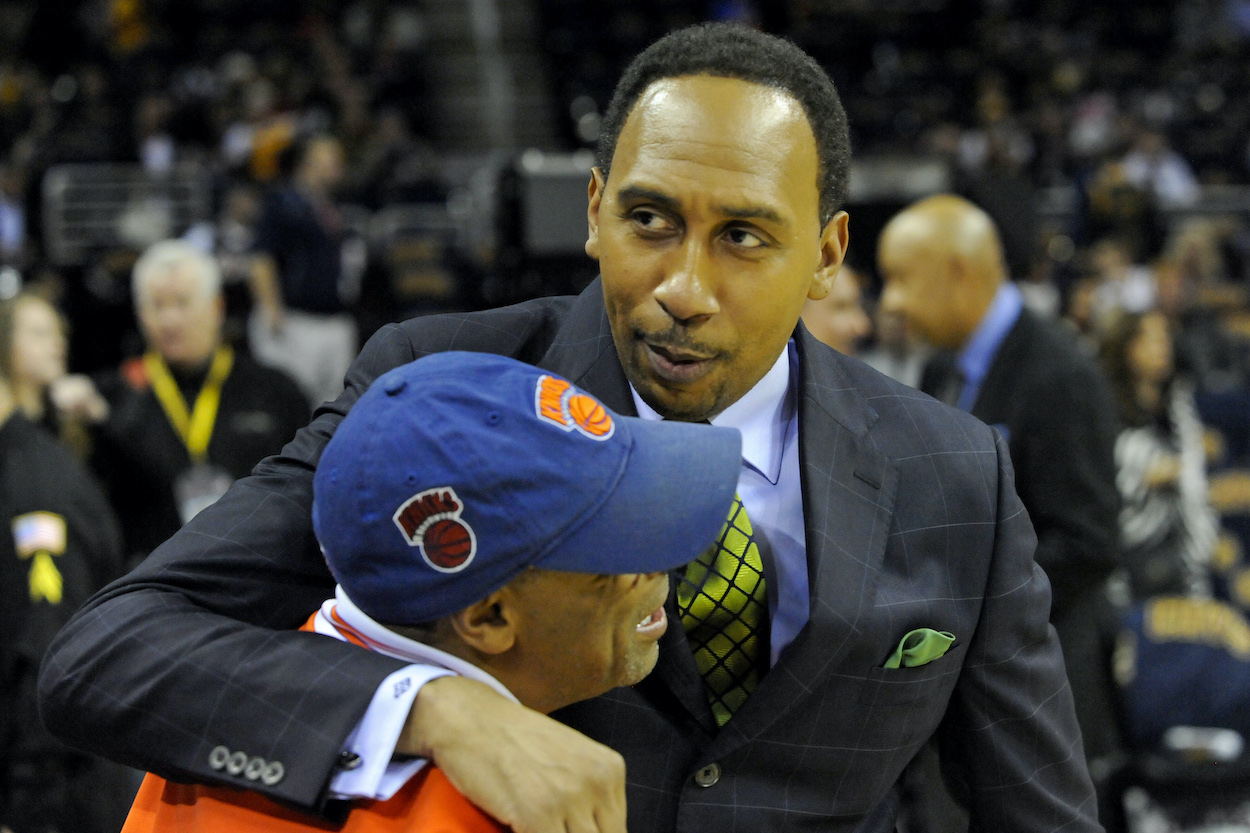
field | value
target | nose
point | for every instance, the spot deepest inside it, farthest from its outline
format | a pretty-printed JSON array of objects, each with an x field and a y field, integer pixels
[
  {"x": 892, "y": 298},
  {"x": 862, "y": 324},
  {"x": 687, "y": 292}
]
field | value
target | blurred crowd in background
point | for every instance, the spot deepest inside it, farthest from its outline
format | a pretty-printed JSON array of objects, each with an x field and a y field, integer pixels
[{"x": 300, "y": 173}]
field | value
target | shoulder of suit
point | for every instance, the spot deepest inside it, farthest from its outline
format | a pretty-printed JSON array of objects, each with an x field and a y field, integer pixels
[
  {"x": 1053, "y": 351},
  {"x": 908, "y": 422}
]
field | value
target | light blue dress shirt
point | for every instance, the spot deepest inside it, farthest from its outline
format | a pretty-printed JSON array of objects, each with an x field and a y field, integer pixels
[
  {"x": 767, "y": 417},
  {"x": 975, "y": 358}
]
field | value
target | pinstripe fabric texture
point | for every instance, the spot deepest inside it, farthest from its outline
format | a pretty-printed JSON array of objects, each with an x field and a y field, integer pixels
[{"x": 912, "y": 521}]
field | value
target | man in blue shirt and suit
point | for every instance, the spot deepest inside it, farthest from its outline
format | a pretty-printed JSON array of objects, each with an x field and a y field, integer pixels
[
  {"x": 944, "y": 271},
  {"x": 887, "y": 545}
]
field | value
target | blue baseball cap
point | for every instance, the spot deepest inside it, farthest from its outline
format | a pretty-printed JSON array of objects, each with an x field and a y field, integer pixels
[{"x": 454, "y": 473}]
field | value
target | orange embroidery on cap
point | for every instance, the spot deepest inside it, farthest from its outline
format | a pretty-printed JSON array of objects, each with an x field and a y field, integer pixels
[
  {"x": 550, "y": 404},
  {"x": 561, "y": 404}
]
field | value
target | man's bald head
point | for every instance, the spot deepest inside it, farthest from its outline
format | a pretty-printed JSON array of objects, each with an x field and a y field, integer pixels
[{"x": 942, "y": 262}]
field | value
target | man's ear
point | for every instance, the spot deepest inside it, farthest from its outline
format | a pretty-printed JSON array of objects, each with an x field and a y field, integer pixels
[
  {"x": 833, "y": 242},
  {"x": 488, "y": 626},
  {"x": 595, "y": 197}
]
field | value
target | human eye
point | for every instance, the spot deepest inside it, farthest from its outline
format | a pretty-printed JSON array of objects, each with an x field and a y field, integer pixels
[
  {"x": 744, "y": 238},
  {"x": 648, "y": 220}
]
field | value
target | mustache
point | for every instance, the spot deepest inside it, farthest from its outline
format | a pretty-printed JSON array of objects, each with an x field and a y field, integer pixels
[{"x": 675, "y": 338}]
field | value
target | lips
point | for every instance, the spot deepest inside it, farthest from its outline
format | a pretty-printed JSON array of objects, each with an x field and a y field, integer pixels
[
  {"x": 654, "y": 625},
  {"x": 677, "y": 365}
]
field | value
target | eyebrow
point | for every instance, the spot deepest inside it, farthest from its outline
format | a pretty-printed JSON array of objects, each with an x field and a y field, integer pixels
[{"x": 631, "y": 193}]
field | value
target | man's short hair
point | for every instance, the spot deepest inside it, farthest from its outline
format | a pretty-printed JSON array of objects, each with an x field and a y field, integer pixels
[
  {"x": 729, "y": 50},
  {"x": 165, "y": 255}
]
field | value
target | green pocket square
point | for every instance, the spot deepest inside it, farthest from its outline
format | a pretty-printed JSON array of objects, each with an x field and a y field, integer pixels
[{"x": 921, "y": 646}]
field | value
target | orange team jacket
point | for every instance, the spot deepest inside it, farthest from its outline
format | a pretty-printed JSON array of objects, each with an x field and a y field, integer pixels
[{"x": 428, "y": 803}]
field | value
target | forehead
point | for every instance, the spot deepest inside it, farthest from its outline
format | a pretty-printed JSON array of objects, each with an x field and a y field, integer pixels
[
  {"x": 722, "y": 137},
  {"x": 181, "y": 277},
  {"x": 33, "y": 312}
]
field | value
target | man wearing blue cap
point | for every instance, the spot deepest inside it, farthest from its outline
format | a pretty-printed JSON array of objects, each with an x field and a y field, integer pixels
[
  {"x": 463, "y": 507},
  {"x": 881, "y": 592}
]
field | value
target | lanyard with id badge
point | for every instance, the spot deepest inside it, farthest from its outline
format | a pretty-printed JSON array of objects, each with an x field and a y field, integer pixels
[{"x": 201, "y": 485}]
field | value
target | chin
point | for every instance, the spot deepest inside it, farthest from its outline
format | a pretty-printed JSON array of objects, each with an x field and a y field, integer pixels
[
  {"x": 640, "y": 665},
  {"x": 682, "y": 404}
]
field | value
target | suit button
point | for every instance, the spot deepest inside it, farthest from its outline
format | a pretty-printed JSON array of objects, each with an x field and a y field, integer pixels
[
  {"x": 218, "y": 757},
  {"x": 273, "y": 773},
  {"x": 708, "y": 776},
  {"x": 237, "y": 762},
  {"x": 254, "y": 768}
]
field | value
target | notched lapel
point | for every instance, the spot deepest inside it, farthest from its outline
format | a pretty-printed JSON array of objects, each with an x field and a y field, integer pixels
[
  {"x": 848, "y": 504},
  {"x": 583, "y": 352}
]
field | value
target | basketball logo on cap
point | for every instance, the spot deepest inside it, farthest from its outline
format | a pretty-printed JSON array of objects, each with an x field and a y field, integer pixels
[
  {"x": 563, "y": 405},
  {"x": 431, "y": 521}
]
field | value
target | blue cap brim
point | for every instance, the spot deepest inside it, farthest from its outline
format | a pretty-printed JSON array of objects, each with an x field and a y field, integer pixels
[{"x": 668, "y": 507}]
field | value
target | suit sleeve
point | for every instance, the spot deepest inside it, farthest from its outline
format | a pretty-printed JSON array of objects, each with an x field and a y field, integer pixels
[
  {"x": 196, "y": 648},
  {"x": 1010, "y": 736}
]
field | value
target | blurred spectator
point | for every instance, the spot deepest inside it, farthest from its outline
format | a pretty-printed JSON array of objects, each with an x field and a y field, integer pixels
[
  {"x": 301, "y": 323},
  {"x": 1038, "y": 285},
  {"x": 1196, "y": 246},
  {"x": 943, "y": 268},
  {"x": 231, "y": 240},
  {"x": 897, "y": 352},
  {"x": 1079, "y": 315},
  {"x": 37, "y": 348},
  {"x": 1208, "y": 355},
  {"x": 1167, "y": 526},
  {"x": 1120, "y": 284},
  {"x": 61, "y": 545},
  {"x": 13, "y": 244},
  {"x": 1153, "y": 166},
  {"x": 1113, "y": 207},
  {"x": 1182, "y": 656},
  {"x": 1001, "y": 188},
  {"x": 155, "y": 145},
  {"x": 174, "y": 428},
  {"x": 839, "y": 319},
  {"x": 394, "y": 166},
  {"x": 37, "y": 364}
]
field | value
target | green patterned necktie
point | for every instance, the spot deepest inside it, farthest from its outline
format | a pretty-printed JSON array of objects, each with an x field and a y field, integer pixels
[{"x": 724, "y": 609}]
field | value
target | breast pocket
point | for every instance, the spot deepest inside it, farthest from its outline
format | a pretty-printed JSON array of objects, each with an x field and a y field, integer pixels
[{"x": 902, "y": 686}]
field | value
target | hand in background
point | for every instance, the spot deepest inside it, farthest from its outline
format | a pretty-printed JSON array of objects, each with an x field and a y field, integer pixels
[{"x": 75, "y": 397}]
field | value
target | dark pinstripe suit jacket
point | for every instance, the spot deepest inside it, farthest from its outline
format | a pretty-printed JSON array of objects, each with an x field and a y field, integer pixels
[{"x": 912, "y": 521}]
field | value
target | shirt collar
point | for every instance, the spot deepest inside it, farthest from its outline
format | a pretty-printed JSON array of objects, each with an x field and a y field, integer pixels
[
  {"x": 761, "y": 415},
  {"x": 975, "y": 358},
  {"x": 339, "y": 617}
]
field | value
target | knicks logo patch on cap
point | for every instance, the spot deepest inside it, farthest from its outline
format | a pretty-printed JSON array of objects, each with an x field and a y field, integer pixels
[
  {"x": 431, "y": 521},
  {"x": 563, "y": 405}
]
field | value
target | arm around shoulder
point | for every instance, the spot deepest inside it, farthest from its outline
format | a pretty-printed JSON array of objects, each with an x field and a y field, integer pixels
[{"x": 195, "y": 649}]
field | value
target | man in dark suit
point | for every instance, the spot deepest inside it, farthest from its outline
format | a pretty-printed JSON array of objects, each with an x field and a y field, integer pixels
[
  {"x": 944, "y": 271},
  {"x": 902, "y": 600}
]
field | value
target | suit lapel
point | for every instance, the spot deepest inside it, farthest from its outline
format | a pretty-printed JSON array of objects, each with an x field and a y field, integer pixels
[
  {"x": 583, "y": 352},
  {"x": 848, "y": 503}
]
